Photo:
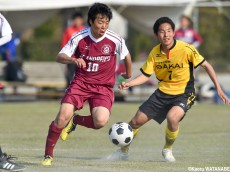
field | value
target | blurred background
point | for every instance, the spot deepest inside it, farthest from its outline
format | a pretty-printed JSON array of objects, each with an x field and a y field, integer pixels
[{"x": 40, "y": 25}]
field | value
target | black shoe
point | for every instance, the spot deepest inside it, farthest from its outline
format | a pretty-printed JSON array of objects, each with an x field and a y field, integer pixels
[{"x": 6, "y": 164}]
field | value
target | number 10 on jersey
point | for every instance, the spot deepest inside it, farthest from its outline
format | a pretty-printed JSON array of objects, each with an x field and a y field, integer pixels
[{"x": 92, "y": 67}]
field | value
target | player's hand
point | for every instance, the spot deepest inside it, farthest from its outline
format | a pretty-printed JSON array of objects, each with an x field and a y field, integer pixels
[
  {"x": 80, "y": 63},
  {"x": 223, "y": 97},
  {"x": 124, "y": 86},
  {"x": 124, "y": 75}
]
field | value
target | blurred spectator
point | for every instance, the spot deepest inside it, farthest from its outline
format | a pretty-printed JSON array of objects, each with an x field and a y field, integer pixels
[
  {"x": 13, "y": 70},
  {"x": 77, "y": 24},
  {"x": 186, "y": 32},
  {"x": 9, "y": 50}
]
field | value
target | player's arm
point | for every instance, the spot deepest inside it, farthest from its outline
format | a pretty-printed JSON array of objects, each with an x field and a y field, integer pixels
[
  {"x": 5, "y": 30},
  {"x": 209, "y": 69},
  {"x": 147, "y": 69},
  {"x": 128, "y": 67},
  {"x": 65, "y": 59},
  {"x": 141, "y": 79},
  {"x": 5, "y": 39},
  {"x": 64, "y": 56}
]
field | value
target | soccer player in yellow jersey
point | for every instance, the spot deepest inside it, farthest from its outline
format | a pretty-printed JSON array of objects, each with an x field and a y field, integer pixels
[{"x": 173, "y": 63}]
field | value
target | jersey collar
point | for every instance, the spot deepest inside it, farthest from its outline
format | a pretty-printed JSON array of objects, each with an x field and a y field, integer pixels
[
  {"x": 94, "y": 39},
  {"x": 174, "y": 44}
]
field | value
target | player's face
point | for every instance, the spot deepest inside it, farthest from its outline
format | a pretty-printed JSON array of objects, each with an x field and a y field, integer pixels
[
  {"x": 165, "y": 35},
  {"x": 99, "y": 26}
]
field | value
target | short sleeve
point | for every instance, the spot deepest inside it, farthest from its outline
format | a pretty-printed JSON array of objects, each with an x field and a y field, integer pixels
[
  {"x": 148, "y": 67},
  {"x": 194, "y": 56},
  {"x": 70, "y": 47},
  {"x": 123, "y": 50},
  {"x": 5, "y": 26}
]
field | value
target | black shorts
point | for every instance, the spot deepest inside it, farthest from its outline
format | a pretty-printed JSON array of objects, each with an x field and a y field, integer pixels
[{"x": 159, "y": 103}]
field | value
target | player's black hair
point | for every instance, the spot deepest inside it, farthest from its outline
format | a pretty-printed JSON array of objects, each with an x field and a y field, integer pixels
[
  {"x": 76, "y": 15},
  {"x": 99, "y": 8},
  {"x": 160, "y": 21}
]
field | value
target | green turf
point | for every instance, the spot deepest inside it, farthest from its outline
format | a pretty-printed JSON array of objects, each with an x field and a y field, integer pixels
[{"x": 204, "y": 140}]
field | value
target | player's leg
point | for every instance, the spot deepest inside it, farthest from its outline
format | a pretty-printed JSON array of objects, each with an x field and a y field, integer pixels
[
  {"x": 55, "y": 128},
  {"x": 148, "y": 110},
  {"x": 100, "y": 116},
  {"x": 136, "y": 122},
  {"x": 174, "y": 116},
  {"x": 76, "y": 95},
  {"x": 100, "y": 106},
  {"x": 100, "y": 103},
  {"x": 86, "y": 121},
  {"x": 180, "y": 106}
]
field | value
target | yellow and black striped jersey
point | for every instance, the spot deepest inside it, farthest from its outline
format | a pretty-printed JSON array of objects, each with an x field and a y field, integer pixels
[{"x": 174, "y": 70}]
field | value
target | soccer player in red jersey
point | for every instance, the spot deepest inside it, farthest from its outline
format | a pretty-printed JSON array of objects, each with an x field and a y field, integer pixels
[{"x": 96, "y": 49}]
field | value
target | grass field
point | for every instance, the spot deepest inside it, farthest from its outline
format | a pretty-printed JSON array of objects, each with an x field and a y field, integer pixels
[{"x": 204, "y": 140}]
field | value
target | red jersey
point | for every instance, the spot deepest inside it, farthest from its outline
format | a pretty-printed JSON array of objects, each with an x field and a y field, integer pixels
[
  {"x": 69, "y": 33},
  {"x": 99, "y": 54},
  {"x": 189, "y": 36}
]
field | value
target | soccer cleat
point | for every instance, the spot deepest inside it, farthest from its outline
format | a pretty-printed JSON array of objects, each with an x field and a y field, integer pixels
[
  {"x": 6, "y": 164},
  {"x": 168, "y": 156},
  {"x": 118, "y": 155},
  {"x": 68, "y": 129},
  {"x": 47, "y": 161}
]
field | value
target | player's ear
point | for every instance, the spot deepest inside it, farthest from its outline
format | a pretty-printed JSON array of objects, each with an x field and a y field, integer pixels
[{"x": 91, "y": 22}]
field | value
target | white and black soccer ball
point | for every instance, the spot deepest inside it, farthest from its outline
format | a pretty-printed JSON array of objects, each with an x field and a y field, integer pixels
[{"x": 121, "y": 134}]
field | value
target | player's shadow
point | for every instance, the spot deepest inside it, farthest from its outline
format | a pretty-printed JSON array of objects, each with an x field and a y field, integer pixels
[
  {"x": 161, "y": 161},
  {"x": 80, "y": 158},
  {"x": 74, "y": 157}
]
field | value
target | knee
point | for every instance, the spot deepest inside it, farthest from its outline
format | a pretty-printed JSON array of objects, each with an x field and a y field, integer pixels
[
  {"x": 172, "y": 120},
  {"x": 174, "y": 117},
  {"x": 100, "y": 122},
  {"x": 173, "y": 123},
  {"x": 61, "y": 120},
  {"x": 134, "y": 124}
]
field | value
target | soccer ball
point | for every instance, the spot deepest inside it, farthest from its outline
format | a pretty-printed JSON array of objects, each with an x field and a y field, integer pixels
[{"x": 121, "y": 134}]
